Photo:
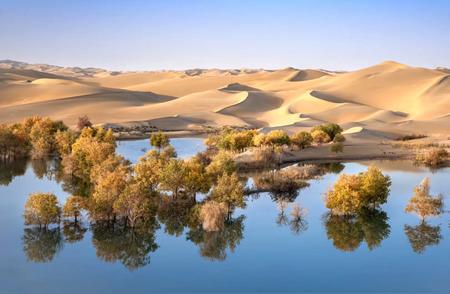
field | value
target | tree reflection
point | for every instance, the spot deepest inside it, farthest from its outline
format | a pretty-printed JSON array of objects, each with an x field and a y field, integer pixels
[
  {"x": 45, "y": 168},
  {"x": 131, "y": 247},
  {"x": 348, "y": 232},
  {"x": 41, "y": 244},
  {"x": 73, "y": 231},
  {"x": 422, "y": 236},
  {"x": 213, "y": 245},
  {"x": 10, "y": 169},
  {"x": 174, "y": 214}
]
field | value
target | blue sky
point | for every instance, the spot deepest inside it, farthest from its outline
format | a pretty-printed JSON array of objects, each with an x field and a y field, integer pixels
[{"x": 176, "y": 34}]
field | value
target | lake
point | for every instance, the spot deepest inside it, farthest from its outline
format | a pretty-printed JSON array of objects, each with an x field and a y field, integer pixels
[{"x": 260, "y": 250}]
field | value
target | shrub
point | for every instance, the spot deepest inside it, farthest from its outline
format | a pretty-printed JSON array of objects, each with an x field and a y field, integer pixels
[
  {"x": 422, "y": 203},
  {"x": 330, "y": 129},
  {"x": 302, "y": 140},
  {"x": 351, "y": 194},
  {"x": 42, "y": 209},
  {"x": 433, "y": 157},
  {"x": 320, "y": 137}
]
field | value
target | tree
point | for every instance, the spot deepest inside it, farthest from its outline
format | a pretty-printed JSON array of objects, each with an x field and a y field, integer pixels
[
  {"x": 302, "y": 139},
  {"x": 172, "y": 176},
  {"x": 64, "y": 141},
  {"x": 159, "y": 140},
  {"x": 353, "y": 193},
  {"x": 229, "y": 191},
  {"x": 320, "y": 137},
  {"x": 195, "y": 178},
  {"x": 330, "y": 129},
  {"x": 223, "y": 162},
  {"x": 422, "y": 203},
  {"x": 41, "y": 136},
  {"x": 278, "y": 138},
  {"x": 134, "y": 204},
  {"x": 147, "y": 172},
  {"x": 42, "y": 209},
  {"x": 74, "y": 206},
  {"x": 83, "y": 122},
  {"x": 108, "y": 186}
]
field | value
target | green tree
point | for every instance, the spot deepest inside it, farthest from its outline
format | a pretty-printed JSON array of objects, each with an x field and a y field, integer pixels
[
  {"x": 337, "y": 147},
  {"x": 42, "y": 209}
]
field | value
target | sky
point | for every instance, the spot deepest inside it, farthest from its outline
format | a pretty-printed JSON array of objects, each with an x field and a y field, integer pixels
[{"x": 182, "y": 34}]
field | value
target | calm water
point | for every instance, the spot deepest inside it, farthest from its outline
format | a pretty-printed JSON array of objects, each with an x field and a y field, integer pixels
[{"x": 259, "y": 251}]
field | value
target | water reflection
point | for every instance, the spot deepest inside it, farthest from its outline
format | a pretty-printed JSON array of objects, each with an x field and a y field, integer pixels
[
  {"x": 11, "y": 169},
  {"x": 213, "y": 245},
  {"x": 41, "y": 244},
  {"x": 422, "y": 236},
  {"x": 73, "y": 231},
  {"x": 118, "y": 243},
  {"x": 348, "y": 232}
]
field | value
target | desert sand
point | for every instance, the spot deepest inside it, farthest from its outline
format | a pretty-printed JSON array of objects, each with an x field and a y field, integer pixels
[{"x": 377, "y": 103}]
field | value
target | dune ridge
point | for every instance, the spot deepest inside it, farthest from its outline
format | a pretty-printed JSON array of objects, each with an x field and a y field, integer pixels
[{"x": 377, "y": 102}]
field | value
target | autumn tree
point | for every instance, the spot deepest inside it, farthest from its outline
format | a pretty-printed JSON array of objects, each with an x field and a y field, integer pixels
[
  {"x": 108, "y": 186},
  {"x": 159, "y": 140},
  {"x": 172, "y": 176},
  {"x": 74, "y": 206},
  {"x": 230, "y": 191},
  {"x": 337, "y": 147},
  {"x": 302, "y": 139},
  {"x": 353, "y": 193},
  {"x": 64, "y": 141},
  {"x": 422, "y": 203},
  {"x": 134, "y": 204},
  {"x": 273, "y": 138},
  {"x": 320, "y": 137},
  {"x": 330, "y": 129},
  {"x": 195, "y": 178},
  {"x": 223, "y": 162},
  {"x": 339, "y": 138},
  {"x": 42, "y": 209}
]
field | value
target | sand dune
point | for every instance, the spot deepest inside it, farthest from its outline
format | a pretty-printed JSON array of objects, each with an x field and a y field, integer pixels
[{"x": 378, "y": 102}]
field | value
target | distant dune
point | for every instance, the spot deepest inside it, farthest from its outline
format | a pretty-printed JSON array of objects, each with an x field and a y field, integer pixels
[{"x": 378, "y": 102}]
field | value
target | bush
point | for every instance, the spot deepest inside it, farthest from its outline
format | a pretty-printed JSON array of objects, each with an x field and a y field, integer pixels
[
  {"x": 433, "y": 157},
  {"x": 42, "y": 209},
  {"x": 330, "y": 129},
  {"x": 351, "y": 194},
  {"x": 320, "y": 137},
  {"x": 302, "y": 140},
  {"x": 222, "y": 163}
]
